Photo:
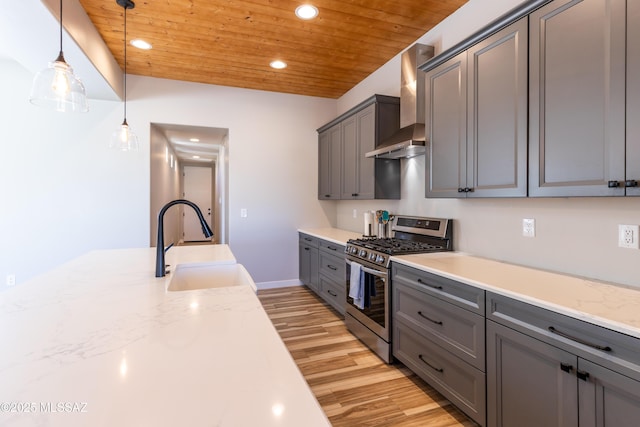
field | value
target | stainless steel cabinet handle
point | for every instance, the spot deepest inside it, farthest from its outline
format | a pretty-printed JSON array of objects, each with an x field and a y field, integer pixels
[
  {"x": 332, "y": 267},
  {"x": 437, "y": 322},
  {"x": 578, "y": 340},
  {"x": 330, "y": 292},
  {"x": 430, "y": 285},
  {"x": 430, "y": 365}
]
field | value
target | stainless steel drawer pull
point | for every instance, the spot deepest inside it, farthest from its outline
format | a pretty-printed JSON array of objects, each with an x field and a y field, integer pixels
[
  {"x": 333, "y": 294},
  {"x": 430, "y": 285},
  {"x": 332, "y": 248},
  {"x": 430, "y": 365},
  {"x": 333, "y": 267},
  {"x": 437, "y": 322},
  {"x": 578, "y": 340}
]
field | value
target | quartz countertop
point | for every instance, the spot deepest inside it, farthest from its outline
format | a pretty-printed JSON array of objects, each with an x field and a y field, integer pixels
[
  {"x": 335, "y": 235},
  {"x": 99, "y": 341},
  {"x": 608, "y": 305}
]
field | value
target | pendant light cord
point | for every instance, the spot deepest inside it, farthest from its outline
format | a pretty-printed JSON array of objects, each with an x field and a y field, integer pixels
[
  {"x": 60, "y": 27},
  {"x": 125, "y": 63}
]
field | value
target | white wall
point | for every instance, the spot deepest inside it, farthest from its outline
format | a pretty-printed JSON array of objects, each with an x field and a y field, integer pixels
[
  {"x": 165, "y": 186},
  {"x": 573, "y": 235},
  {"x": 64, "y": 192}
]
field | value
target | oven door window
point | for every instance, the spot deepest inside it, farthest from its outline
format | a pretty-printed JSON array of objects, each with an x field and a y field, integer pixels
[{"x": 375, "y": 309}]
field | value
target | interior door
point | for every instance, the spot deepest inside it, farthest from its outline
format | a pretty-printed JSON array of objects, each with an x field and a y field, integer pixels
[{"x": 197, "y": 189}]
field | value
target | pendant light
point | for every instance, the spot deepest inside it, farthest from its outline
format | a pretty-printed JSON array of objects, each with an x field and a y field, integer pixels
[
  {"x": 124, "y": 138},
  {"x": 56, "y": 86}
]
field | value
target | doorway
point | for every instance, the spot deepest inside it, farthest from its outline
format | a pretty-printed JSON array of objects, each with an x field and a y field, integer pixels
[
  {"x": 198, "y": 187},
  {"x": 189, "y": 162}
]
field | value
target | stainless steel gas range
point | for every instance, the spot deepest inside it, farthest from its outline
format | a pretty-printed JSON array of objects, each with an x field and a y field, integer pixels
[{"x": 368, "y": 309}]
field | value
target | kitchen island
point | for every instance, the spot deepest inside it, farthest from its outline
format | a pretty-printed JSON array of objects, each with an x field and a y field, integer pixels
[{"x": 99, "y": 341}]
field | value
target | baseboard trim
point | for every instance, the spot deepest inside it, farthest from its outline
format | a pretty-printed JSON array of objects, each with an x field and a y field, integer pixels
[{"x": 278, "y": 284}]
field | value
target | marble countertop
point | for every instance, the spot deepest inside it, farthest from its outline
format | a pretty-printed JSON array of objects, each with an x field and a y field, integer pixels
[
  {"x": 334, "y": 235},
  {"x": 99, "y": 341},
  {"x": 604, "y": 304}
]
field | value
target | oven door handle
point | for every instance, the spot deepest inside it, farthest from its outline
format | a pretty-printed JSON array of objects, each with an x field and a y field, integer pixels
[{"x": 377, "y": 273}]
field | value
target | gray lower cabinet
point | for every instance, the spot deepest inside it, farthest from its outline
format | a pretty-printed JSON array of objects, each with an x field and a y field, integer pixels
[
  {"x": 476, "y": 119},
  {"x": 323, "y": 268},
  {"x": 333, "y": 279},
  {"x": 308, "y": 261},
  {"x": 439, "y": 333},
  {"x": 343, "y": 170},
  {"x": 577, "y": 98},
  {"x": 546, "y": 369}
]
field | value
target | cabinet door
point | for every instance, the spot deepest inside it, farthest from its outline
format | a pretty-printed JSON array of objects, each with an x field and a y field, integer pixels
[
  {"x": 529, "y": 383},
  {"x": 446, "y": 127},
  {"x": 366, "y": 123},
  {"x": 497, "y": 114},
  {"x": 577, "y": 98},
  {"x": 350, "y": 152},
  {"x": 607, "y": 399},
  {"x": 633, "y": 97},
  {"x": 309, "y": 266},
  {"x": 329, "y": 165}
]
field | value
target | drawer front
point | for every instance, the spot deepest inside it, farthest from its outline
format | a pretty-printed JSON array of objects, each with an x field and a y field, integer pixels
[
  {"x": 332, "y": 248},
  {"x": 334, "y": 294},
  {"x": 608, "y": 348},
  {"x": 458, "y": 381},
  {"x": 333, "y": 266},
  {"x": 457, "y": 330},
  {"x": 460, "y": 294},
  {"x": 308, "y": 240}
]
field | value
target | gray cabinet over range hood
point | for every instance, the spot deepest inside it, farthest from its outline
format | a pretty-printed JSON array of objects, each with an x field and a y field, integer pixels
[{"x": 409, "y": 140}]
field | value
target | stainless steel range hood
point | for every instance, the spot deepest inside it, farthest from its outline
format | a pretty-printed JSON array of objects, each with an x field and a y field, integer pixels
[{"x": 409, "y": 140}]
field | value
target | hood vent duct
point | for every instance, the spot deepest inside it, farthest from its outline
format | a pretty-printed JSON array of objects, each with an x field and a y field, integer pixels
[{"x": 409, "y": 140}]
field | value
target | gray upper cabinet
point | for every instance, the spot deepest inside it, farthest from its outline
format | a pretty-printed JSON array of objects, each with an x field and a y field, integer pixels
[
  {"x": 476, "y": 115},
  {"x": 446, "y": 127},
  {"x": 577, "y": 98},
  {"x": 632, "y": 178},
  {"x": 351, "y": 135},
  {"x": 329, "y": 163}
]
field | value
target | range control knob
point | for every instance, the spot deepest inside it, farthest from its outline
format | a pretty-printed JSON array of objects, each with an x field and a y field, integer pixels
[
  {"x": 372, "y": 257},
  {"x": 380, "y": 259},
  {"x": 363, "y": 253}
]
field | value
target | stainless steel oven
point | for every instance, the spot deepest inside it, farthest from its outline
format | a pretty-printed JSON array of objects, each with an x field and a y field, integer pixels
[{"x": 368, "y": 310}]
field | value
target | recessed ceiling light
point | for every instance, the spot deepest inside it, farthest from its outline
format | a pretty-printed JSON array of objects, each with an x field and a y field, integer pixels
[
  {"x": 278, "y": 65},
  {"x": 194, "y": 140},
  {"x": 141, "y": 44},
  {"x": 196, "y": 157},
  {"x": 306, "y": 11}
]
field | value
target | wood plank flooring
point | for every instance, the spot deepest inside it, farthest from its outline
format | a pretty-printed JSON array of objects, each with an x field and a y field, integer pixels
[{"x": 354, "y": 387}]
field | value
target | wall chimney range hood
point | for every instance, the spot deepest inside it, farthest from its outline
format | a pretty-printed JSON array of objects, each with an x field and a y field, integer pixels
[{"x": 409, "y": 140}]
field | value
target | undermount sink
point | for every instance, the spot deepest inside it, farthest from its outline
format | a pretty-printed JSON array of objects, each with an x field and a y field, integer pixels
[{"x": 189, "y": 277}]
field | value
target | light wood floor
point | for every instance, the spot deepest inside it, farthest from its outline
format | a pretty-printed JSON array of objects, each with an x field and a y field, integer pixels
[{"x": 354, "y": 387}]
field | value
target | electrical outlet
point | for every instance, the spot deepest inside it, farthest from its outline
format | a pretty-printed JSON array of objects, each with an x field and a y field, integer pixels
[
  {"x": 628, "y": 236},
  {"x": 529, "y": 227},
  {"x": 11, "y": 279},
  {"x": 243, "y": 213}
]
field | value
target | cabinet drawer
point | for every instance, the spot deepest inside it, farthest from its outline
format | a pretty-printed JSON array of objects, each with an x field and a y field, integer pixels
[
  {"x": 334, "y": 293},
  {"x": 456, "y": 293},
  {"x": 308, "y": 240},
  {"x": 333, "y": 266},
  {"x": 608, "y": 348},
  {"x": 457, "y": 330},
  {"x": 332, "y": 248},
  {"x": 458, "y": 381}
]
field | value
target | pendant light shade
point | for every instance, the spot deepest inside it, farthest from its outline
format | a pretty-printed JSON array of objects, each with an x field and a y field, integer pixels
[
  {"x": 123, "y": 138},
  {"x": 57, "y": 88}
]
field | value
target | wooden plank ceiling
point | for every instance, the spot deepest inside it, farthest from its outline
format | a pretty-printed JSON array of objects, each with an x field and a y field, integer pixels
[{"x": 232, "y": 42}]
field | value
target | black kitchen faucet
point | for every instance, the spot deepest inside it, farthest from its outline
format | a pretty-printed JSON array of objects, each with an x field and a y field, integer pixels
[{"x": 160, "y": 249}]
